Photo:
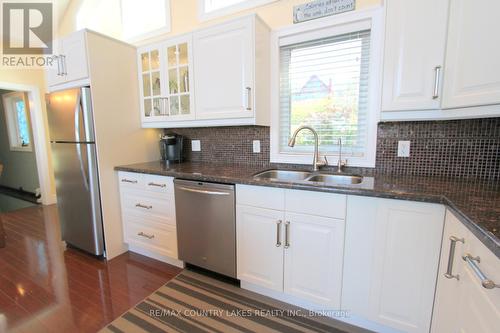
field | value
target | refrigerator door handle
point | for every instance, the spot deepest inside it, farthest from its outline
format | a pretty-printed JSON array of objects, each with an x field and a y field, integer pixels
[{"x": 83, "y": 168}]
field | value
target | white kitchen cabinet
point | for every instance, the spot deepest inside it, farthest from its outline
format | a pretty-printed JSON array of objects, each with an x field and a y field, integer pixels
[
  {"x": 215, "y": 76},
  {"x": 391, "y": 260},
  {"x": 462, "y": 303},
  {"x": 166, "y": 81},
  {"x": 314, "y": 248},
  {"x": 472, "y": 71},
  {"x": 260, "y": 252},
  {"x": 298, "y": 254},
  {"x": 148, "y": 215},
  {"x": 414, "y": 52},
  {"x": 224, "y": 66},
  {"x": 71, "y": 63}
]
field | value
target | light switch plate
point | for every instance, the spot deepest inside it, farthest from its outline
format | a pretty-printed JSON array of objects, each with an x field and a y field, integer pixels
[
  {"x": 403, "y": 148},
  {"x": 195, "y": 145},
  {"x": 256, "y": 146}
]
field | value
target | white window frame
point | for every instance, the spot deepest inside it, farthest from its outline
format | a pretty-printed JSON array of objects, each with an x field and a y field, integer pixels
[
  {"x": 11, "y": 121},
  {"x": 329, "y": 26},
  {"x": 203, "y": 15}
]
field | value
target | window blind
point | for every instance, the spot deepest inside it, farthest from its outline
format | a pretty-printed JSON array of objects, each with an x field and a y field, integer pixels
[{"x": 324, "y": 84}]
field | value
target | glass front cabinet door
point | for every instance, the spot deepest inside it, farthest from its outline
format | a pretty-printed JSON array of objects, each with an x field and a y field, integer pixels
[{"x": 166, "y": 81}]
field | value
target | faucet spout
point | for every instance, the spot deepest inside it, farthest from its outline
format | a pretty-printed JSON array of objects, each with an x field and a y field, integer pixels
[{"x": 316, "y": 163}]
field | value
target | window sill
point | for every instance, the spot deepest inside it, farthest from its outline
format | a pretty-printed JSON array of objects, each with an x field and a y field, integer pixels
[
  {"x": 22, "y": 149},
  {"x": 352, "y": 161}
]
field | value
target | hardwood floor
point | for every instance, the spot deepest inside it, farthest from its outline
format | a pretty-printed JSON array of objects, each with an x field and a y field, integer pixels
[{"x": 44, "y": 288}]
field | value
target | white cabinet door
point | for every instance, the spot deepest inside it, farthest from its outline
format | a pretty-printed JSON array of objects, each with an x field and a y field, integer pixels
[
  {"x": 74, "y": 48},
  {"x": 462, "y": 304},
  {"x": 151, "y": 83},
  {"x": 260, "y": 246},
  {"x": 414, "y": 53},
  {"x": 472, "y": 73},
  {"x": 71, "y": 64},
  {"x": 314, "y": 249},
  {"x": 391, "y": 261},
  {"x": 223, "y": 63}
]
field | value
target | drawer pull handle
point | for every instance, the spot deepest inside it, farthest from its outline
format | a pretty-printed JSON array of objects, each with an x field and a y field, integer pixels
[
  {"x": 451, "y": 256},
  {"x": 278, "y": 233},
  {"x": 143, "y": 206},
  {"x": 145, "y": 235},
  {"x": 125, "y": 180},
  {"x": 157, "y": 185},
  {"x": 485, "y": 282},
  {"x": 287, "y": 235}
]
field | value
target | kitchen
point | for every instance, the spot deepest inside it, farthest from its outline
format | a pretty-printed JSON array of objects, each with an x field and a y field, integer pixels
[{"x": 259, "y": 158}]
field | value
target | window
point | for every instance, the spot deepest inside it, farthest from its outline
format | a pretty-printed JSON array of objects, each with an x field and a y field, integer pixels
[
  {"x": 17, "y": 121},
  {"x": 213, "y": 8},
  {"x": 326, "y": 82},
  {"x": 129, "y": 20}
]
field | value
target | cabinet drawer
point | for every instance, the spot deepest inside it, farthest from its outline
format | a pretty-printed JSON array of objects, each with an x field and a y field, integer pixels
[
  {"x": 130, "y": 180},
  {"x": 160, "y": 240},
  {"x": 316, "y": 203},
  {"x": 260, "y": 196},
  {"x": 161, "y": 184},
  {"x": 149, "y": 206}
]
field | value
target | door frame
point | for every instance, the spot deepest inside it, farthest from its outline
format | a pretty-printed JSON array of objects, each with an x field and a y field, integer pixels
[{"x": 40, "y": 138}]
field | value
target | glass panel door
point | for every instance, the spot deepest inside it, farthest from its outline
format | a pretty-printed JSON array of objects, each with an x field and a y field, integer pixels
[
  {"x": 178, "y": 71},
  {"x": 152, "y": 99}
]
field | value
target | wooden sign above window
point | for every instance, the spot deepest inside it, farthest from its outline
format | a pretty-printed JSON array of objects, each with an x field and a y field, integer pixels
[{"x": 321, "y": 8}]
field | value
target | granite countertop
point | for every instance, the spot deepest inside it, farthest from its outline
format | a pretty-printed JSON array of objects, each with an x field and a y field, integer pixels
[{"x": 476, "y": 203}]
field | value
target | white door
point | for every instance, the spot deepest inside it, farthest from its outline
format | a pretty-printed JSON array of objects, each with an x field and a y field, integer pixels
[
  {"x": 391, "y": 261},
  {"x": 414, "y": 53},
  {"x": 260, "y": 246},
  {"x": 74, "y": 51},
  {"x": 151, "y": 83},
  {"x": 223, "y": 64},
  {"x": 314, "y": 248},
  {"x": 472, "y": 73}
]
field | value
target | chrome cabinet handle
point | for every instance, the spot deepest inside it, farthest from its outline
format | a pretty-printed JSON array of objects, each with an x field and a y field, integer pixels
[
  {"x": 451, "y": 256},
  {"x": 249, "y": 98},
  {"x": 63, "y": 65},
  {"x": 485, "y": 282},
  {"x": 278, "y": 233},
  {"x": 157, "y": 185},
  {"x": 145, "y": 235},
  {"x": 287, "y": 235},
  {"x": 125, "y": 180},
  {"x": 57, "y": 58},
  {"x": 143, "y": 206},
  {"x": 437, "y": 81}
]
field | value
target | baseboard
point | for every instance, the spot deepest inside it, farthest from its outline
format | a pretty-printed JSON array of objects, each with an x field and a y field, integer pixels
[
  {"x": 343, "y": 315},
  {"x": 151, "y": 254}
]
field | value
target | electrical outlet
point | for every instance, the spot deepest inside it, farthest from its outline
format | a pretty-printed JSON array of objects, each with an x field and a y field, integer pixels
[
  {"x": 403, "y": 148},
  {"x": 256, "y": 146},
  {"x": 195, "y": 145}
]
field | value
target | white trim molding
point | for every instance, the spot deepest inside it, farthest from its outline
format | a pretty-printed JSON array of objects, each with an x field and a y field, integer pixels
[
  {"x": 203, "y": 15},
  {"x": 373, "y": 18},
  {"x": 40, "y": 138}
]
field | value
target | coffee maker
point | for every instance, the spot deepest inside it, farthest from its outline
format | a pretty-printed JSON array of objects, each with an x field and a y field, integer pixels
[{"x": 171, "y": 148}]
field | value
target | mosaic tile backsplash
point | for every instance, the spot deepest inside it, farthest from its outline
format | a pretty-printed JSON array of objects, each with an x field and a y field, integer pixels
[{"x": 456, "y": 148}]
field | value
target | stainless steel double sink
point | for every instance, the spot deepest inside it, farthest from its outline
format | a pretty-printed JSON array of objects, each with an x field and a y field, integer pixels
[{"x": 306, "y": 177}]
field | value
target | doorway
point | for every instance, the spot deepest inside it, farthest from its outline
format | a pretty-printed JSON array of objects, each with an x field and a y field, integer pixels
[{"x": 24, "y": 158}]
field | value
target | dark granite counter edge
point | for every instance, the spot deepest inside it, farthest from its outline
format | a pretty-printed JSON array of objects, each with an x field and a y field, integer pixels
[{"x": 489, "y": 240}]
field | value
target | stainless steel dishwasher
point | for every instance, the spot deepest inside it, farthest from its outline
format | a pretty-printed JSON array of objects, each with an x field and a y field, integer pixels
[{"x": 206, "y": 225}]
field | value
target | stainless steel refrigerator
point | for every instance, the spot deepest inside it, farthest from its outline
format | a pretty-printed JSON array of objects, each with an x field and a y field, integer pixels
[{"x": 75, "y": 166}]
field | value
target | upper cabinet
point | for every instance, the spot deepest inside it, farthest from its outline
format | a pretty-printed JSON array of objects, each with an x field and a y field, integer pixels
[
  {"x": 71, "y": 63},
  {"x": 166, "y": 76},
  {"x": 214, "y": 76},
  {"x": 224, "y": 71},
  {"x": 473, "y": 55},
  {"x": 414, "y": 54},
  {"x": 439, "y": 59}
]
